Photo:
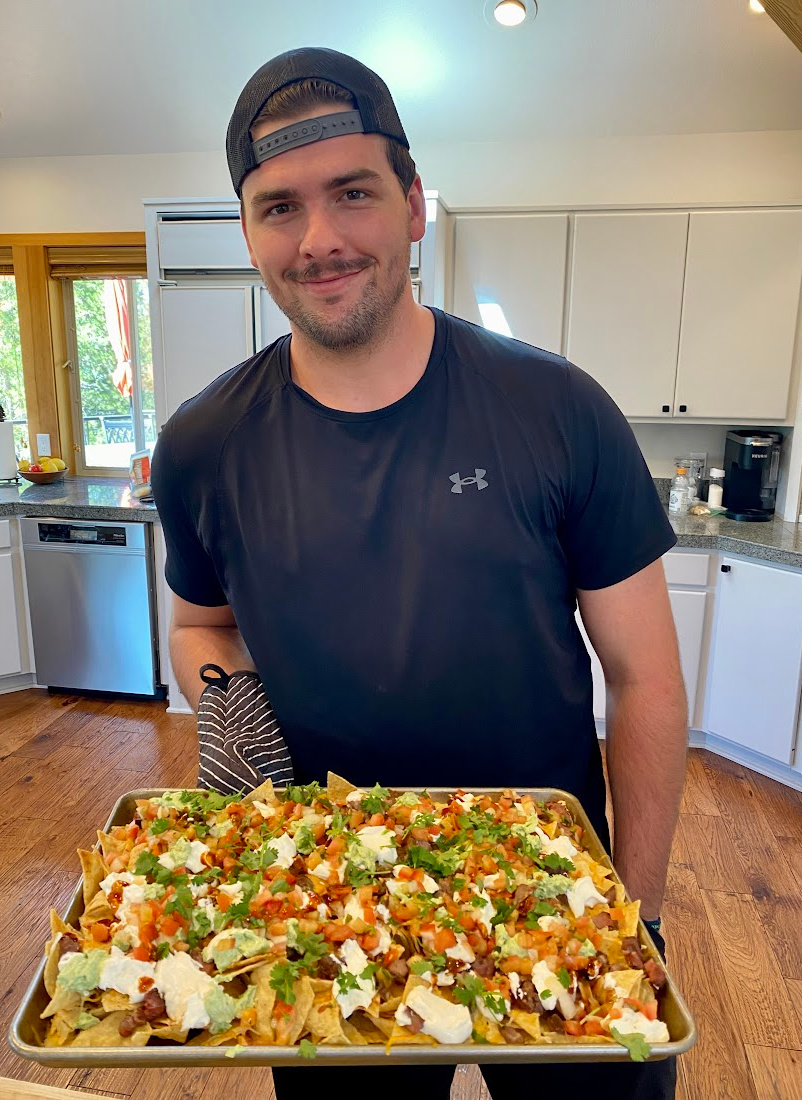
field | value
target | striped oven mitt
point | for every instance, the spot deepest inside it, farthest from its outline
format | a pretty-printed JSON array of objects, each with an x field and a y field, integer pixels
[{"x": 239, "y": 741}]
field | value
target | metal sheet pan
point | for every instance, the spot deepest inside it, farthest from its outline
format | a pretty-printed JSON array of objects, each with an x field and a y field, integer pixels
[{"x": 27, "y": 1030}]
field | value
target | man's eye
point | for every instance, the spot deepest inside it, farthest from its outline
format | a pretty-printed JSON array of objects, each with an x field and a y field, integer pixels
[
  {"x": 355, "y": 193},
  {"x": 279, "y": 208}
]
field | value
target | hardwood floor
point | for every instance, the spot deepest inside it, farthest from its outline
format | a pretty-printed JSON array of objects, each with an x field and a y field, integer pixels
[{"x": 732, "y": 917}]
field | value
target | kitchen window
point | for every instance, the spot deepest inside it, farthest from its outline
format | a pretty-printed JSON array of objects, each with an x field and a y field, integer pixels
[
  {"x": 111, "y": 371},
  {"x": 12, "y": 383}
]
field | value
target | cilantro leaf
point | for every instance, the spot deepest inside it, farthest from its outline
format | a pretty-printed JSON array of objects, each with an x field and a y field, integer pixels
[
  {"x": 376, "y": 801},
  {"x": 468, "y": 988},
  {"x": 346, "y": 980},
  {"x": 259, "y": 859},
  {"x": 304, "y": 840},
  {"x": 181, "y": 902},
  {"x": 545, "y": 994},
  {"x": 305, "y": 793},
  {"x": 544, "y": 909},
  {"x": 307, "y": 1049},
  {"x": 639, "y": 1049},
  {"x": 162, "y": 950},
  {"x": 280, "y": 886},
  {"x": 440, "y": 863},
  {"x": 160, "y": 825},
  {"x": 477, "y": 1038},
  {"x": 563, "y": 977},
  {"x": 504, "y": 910},
  {"x": 558, "y": 864},
  {"x": 420, "y": 966},
  {"x": 282, "y": 979},
  {"x": 147, "y": 864}
]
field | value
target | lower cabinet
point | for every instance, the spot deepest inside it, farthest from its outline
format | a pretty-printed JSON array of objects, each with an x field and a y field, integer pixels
[
  {"x": 689, "y": 601},
  {"x": 754, "y": 683},
  {"x": 14, "y": 648}
]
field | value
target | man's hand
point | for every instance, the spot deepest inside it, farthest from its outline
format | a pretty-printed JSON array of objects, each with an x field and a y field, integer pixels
[
  {"x": 632, "y": 630},
  {"x": 201, "y": 636}
]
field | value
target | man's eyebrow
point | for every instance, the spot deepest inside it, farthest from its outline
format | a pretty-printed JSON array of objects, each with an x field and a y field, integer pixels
[{"x": 282, "y": 194}]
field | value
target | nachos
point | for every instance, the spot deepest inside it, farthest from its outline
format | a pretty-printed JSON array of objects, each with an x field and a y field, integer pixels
[{"x": 336, "y": 915}]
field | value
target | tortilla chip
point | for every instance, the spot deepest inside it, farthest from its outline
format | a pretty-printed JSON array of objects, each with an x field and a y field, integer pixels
[
  {"x": 97, "y": 909},
  {"x": 628, "y": 926},
  {"x": 373, "y": 1028},
  {"x": 526, "y": 1021},
  {"x": 113, "y": 1001},
  {"x": 61, "y": 1001},
  {"x": 94, "y": 871},
  {"x": 263, "y": 793},
  {"x": 245, "y": 966},
  {"x": 487, "y": 1029},
  {"x": 338, "y": 788},
  {"x": 264, "y": 1003},
  {"x": 628, "y": 981},
  {"x": 289, "y": 1028},
  {"x": 170, "y": 1031},
  {"x": 52, "y": 954},
  {"x": 221, "y": 1039},
  {"x": 324, "y": 1023},
  {"x": 611, "y": 946},
  {"x": 106, "y": 1033},
  {"x": 109, "y": 845}
]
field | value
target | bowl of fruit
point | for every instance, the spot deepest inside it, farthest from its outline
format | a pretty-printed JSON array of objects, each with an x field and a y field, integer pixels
[{"x": 44, "y": 471}]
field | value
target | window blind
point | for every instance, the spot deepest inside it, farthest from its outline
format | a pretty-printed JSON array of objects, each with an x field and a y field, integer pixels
[{"x": 95, "y": 262}]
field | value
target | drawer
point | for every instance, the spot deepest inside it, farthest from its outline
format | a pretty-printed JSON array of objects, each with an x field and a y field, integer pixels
[
  {"x": 5, "y": 533},
  {"x": 686, "y": 568}
]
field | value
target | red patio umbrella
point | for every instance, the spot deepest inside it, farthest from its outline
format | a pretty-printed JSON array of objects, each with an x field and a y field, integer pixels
[{"x": 115, "y": 302}]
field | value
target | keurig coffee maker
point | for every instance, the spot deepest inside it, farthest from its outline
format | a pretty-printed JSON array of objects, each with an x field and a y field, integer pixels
[{"x": 751, "y": 469}]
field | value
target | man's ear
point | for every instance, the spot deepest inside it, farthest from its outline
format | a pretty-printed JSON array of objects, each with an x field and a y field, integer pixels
[{"x": 417, "y": 210}]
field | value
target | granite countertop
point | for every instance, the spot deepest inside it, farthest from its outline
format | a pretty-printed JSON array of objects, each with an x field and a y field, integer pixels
[
  {"x": 775, "y": 541},
  {"x": 90, "y": 498},
  {"x": 103, "y": 498}
]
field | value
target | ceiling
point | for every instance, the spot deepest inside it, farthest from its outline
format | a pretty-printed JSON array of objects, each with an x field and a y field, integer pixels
[{"x": 157, "y": 76}]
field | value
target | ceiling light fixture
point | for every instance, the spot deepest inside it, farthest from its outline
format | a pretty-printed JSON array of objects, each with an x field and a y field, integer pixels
[
  {"x": 755, "y": 5},
  {"x": 510, "y": 13}
]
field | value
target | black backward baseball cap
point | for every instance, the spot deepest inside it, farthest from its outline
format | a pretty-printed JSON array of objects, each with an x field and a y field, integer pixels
[{"x": 375, "y": 111}]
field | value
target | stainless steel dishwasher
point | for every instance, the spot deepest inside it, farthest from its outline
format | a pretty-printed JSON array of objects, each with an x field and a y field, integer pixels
[{"x": 92, "y": 599}]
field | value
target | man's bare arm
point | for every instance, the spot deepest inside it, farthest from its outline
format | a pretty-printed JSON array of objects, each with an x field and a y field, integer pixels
[
  {"x": 200, "y": 636},
  {"x": 632, "y": 630}
]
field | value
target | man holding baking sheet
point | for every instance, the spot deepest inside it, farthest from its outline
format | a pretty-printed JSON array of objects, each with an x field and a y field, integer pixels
[{"x": 391, "y": 515}]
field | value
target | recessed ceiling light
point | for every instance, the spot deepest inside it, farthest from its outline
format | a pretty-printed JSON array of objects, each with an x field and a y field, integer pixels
[
  {"x": 510, "y": 12},
  {"x": 755, "y": 5}
]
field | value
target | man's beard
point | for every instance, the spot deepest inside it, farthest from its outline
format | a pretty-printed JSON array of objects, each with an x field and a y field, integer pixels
[{"x": 367, "y": 319}]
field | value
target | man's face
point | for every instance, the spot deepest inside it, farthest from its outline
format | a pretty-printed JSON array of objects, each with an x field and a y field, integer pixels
[{"x": 329, "y": 229}]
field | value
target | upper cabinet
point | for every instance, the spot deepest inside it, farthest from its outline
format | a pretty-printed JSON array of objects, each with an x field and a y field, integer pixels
[
  {"x": 509, "y": 274},
  {"x": 739, "y": 317},
  {"x": 626, "y": 304},
  {"x": 685, "y": 315}
]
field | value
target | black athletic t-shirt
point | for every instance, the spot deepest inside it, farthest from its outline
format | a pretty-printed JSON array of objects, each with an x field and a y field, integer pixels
[{"x": 405, "y": 579}]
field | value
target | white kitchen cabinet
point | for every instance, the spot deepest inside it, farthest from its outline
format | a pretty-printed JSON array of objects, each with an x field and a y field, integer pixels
[
  {"x": 10, "y": 657},
  {"x": 271, "y": 322},
  {"x": 689, "y": 607},
  {"x": 515, "y": 265},
  {"x": 625, "y": 306},
  {"x": 739, "y": 317},
  {"x": 205, "y": 330},
  {"x": 15, "y": 644},
  {"x": 753, "y": 688}
]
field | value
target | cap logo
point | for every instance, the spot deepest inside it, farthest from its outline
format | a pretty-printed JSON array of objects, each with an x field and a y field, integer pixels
[{"x": 309, "y": 130}]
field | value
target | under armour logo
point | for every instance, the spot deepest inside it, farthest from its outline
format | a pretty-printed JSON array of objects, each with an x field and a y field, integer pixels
[{"x": 478, "y": 481}]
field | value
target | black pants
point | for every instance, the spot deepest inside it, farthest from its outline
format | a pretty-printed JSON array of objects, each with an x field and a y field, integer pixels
[{"x": 613, "y": 1080}]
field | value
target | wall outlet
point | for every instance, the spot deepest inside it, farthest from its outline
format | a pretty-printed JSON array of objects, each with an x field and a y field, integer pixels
[{"x": 43, "y": 444}]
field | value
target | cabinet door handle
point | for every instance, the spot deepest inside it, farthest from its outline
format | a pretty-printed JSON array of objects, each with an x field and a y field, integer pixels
[
  {"x": 726, "y": 569},
  {"x": 666, "y": 408},
  {"x": 683, "y": 408}
]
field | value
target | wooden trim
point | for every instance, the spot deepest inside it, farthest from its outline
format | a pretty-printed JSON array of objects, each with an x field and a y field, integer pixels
[
  {"x": 787, "y": 14},
  {"x": 32, "y": 273},
  {"x": 28, "y": 1090},
  {"x": 62, "y": 366},
  {"x": 23, "y": 239}
]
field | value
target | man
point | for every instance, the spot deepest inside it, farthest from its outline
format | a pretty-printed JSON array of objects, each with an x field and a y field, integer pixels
[{"x": 393, "y": 513}]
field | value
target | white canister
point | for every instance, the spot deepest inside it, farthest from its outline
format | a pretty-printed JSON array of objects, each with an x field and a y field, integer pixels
[{"x": 8, "y": 455}]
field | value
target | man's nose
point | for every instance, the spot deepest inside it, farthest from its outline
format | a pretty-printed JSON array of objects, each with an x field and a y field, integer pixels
[{"x": 321, "y": 236}]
